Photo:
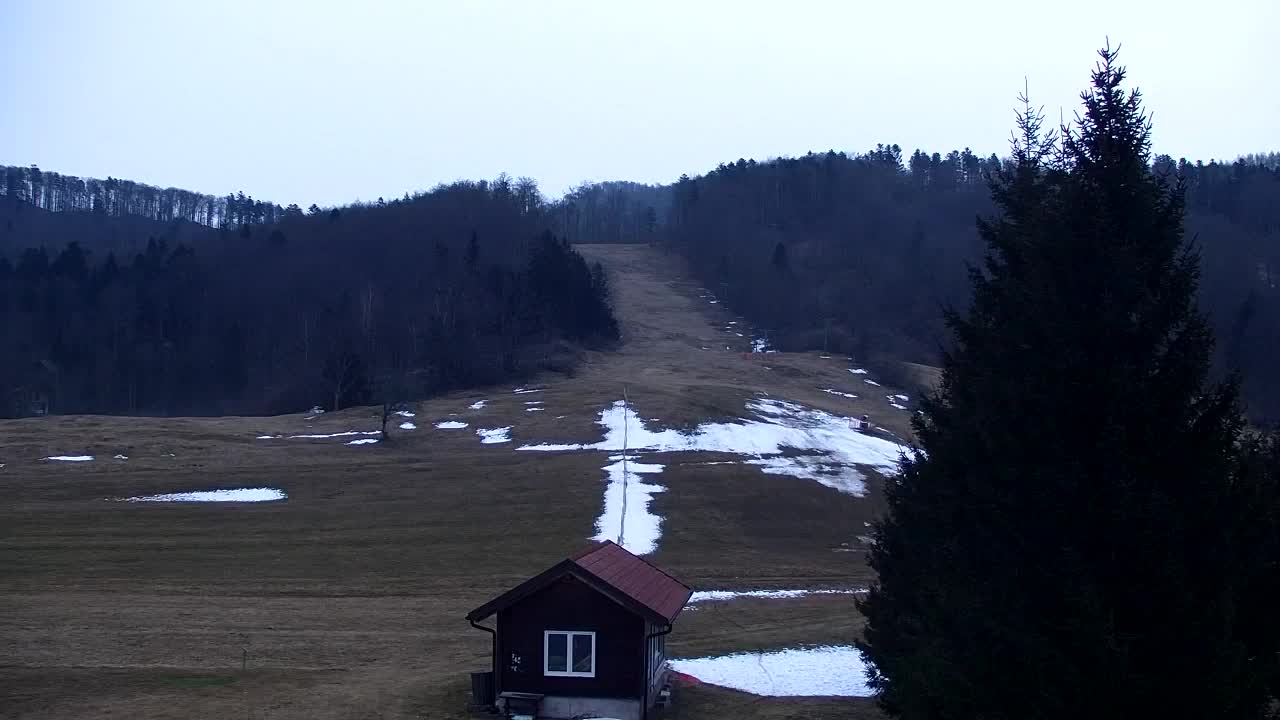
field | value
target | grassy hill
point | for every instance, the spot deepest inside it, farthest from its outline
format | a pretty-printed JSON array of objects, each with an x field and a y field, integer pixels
[{"x": 347, "y": 599}]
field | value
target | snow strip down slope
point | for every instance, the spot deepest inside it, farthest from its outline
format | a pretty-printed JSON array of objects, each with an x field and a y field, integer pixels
[
  {"x": 70, "y": 458},
  {"x": 832, "y": 670},
  {"x": 626, "y": 518}
]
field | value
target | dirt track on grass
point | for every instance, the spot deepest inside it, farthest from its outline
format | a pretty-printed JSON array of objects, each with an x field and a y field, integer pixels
[{"x": 346, "y": 600}]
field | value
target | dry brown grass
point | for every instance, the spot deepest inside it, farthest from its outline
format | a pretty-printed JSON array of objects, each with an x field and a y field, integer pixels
[
  {"x": 926, "y": 376},
  {"x": 347, "y": 600}
]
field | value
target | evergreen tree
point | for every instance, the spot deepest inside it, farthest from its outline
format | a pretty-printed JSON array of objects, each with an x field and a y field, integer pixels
[{"x": 1070, "y": 542}]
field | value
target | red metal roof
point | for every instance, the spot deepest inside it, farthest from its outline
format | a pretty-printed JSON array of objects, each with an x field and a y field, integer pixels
[
  {"x": 614, "y": 572},
  {"x": 634, "y": 577}
]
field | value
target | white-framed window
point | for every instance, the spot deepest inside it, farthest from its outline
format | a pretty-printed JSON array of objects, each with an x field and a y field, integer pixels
[{"x": 569, "y": 653}]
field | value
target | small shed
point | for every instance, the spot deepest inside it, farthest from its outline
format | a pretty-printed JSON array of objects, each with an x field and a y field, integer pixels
[{"x": 586, "y": 637}]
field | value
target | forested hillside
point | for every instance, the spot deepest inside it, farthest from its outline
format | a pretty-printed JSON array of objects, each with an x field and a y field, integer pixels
[
  {"x": 612, "y": 212},
  {"x": 860, "y": 253},
  {"x": 126, "y": 198},
  {"x": 854, "y": 253},
  {"x": 120, "y": 309}
]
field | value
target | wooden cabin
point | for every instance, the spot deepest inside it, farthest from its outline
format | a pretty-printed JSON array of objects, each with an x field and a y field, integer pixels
[{"x": 587, "y": 637}]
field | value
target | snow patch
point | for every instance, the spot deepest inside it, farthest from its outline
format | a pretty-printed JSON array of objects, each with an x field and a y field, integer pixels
[
  {"x": 334, "y": 435},
  {"x": 827, "y": 449},
  {"x": 404, "y": 413},
  {"x": 833, "y": 391},
  {"x": 121, "y": 457},
  {"x": 450, "y": 425},
  {"x": 760, "y": 345},
  {"x": 903, "y": 398},
  {"x": 533, "y": 402},
  {"x": 857, "y": 371},
  {"x": 70, "y": 458},
  {"x": 260, "y": 494},
  {"x": 534, "y": 409},
  {"x": 269, "y": 437},
  {"x": 721, "y": 595},
  {"x": 896, "y": 405},
  {"x": 831, "y": 670},
  {"x": 477, "y": 405},
  {"x": 494, "y": 436},
  {"x": 363, "y": 441},
  {"x": 408, "y": 426},
  {"x": 871, "y": 382},
  {"x": 526, "y": 391}
]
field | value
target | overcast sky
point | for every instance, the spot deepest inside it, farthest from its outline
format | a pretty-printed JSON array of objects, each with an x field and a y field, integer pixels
[{"x": 328, "y": 102}]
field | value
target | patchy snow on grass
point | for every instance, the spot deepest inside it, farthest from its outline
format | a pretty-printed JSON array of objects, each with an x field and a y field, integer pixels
[
  {"x": 363, "y": 441},
  {"x": 833, "y": 391},
  {"x": 760, "y": 345},
  {"x": 722, "y": 595},
  {"x": 824, "y": 447},
  {"x": 493, "y": 436},
  {"x": 408, "y": 426},
  {"x": 405, "y": 413},
  {"x": 857, "y": 371},
  {"x": 833, "y": 475},
  {"x": 260, "y": 494},
  {"x": 70, "y": 458},
  {"x": 450, "y": 425},
  {"x": 348, "y": 433},
  {"x": 871, "y": 382},
  {"x": 626, "y": 518},
  {"x": 831, "y": 670}
]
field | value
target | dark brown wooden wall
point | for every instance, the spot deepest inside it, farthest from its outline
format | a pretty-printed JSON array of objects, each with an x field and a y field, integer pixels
[{"x": 568, "y": 604}]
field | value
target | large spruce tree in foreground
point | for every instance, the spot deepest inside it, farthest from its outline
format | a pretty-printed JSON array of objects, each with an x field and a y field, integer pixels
[{"x": 1078, "y": 538}]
